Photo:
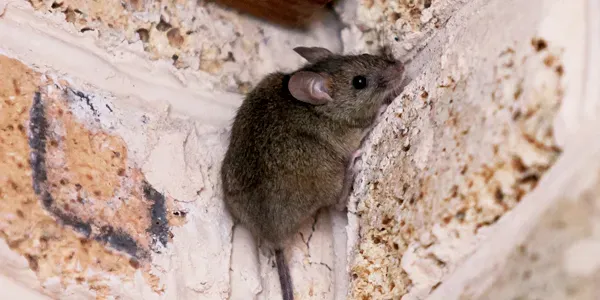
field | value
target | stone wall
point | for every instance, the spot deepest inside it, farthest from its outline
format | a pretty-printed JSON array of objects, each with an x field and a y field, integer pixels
[{"x": 114, "y": 117}]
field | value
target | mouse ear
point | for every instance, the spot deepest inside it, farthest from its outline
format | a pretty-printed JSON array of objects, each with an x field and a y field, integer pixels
[
  {"x": 309, "y": 87},
  {"x": 313, "y": 54}
]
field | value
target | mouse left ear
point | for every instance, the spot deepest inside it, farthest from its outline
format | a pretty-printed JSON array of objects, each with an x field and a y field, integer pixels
[
  {"x": 309, "y": 87},
  {"x": 313, "y": 54}
]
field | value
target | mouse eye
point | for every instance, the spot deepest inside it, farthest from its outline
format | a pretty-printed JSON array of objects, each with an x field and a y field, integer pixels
[{"x": 359, "y": 82}]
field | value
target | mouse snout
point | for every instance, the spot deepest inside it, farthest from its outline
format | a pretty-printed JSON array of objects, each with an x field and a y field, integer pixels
[
  {"x": 393, "y": 75},
  {"x": 394, "y": 72}
]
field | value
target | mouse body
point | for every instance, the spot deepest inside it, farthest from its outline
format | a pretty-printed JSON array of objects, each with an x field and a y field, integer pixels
[{"x": 294, "y": 140}]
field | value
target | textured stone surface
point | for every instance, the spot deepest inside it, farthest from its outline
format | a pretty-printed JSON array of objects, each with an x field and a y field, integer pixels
[
  {"x": 537, "y": 250},
  {"x": 441, "y": 180},
  {"x": 400, "y": 28},
  {"x": 137, "y": 97},
  {"x": 467, "y": 140},
  {"x": 228, "y": 51},
  {"x": 41, "y": 195}
]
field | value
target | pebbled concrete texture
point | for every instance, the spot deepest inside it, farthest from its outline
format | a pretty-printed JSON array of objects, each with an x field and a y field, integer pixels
[
  {"x": 115, "y": 118},
  {"x": 483, "y": 119},
  {"x": 459, "y": 149}
]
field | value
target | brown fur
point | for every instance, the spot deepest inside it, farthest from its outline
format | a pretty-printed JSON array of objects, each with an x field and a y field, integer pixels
[{"x": 286, "y": 158}]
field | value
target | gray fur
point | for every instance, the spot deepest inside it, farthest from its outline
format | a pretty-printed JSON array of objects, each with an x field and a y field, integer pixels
[{"x": 287, "y": 158}]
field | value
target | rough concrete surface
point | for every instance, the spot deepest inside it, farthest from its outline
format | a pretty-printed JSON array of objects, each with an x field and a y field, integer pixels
[
  {"x": 114, "y": 118},
  {"x": 464, "y": 143}
]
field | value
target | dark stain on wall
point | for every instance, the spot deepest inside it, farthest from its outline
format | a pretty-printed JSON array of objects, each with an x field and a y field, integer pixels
[
  {"x": 38, "y": 126},
  {"x": 159, "y": 229},
  {"x": 108, "y": 235}
]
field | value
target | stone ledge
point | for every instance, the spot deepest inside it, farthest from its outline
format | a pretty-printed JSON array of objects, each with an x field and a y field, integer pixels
[{"x": 471, "y": 135}]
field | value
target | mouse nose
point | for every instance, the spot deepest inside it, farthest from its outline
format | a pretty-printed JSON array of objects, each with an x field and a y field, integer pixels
[
  {"x": 398, "y": 67},
  {"x": 394, "y": 72}
]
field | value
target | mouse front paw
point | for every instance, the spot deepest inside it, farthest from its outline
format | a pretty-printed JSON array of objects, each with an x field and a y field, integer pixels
[
  {"x": 347, "y": 185},
  {"x": 342, "y": 205},
  {"x": 352, "y": 166},
  {"x": 356, "y": 155}
]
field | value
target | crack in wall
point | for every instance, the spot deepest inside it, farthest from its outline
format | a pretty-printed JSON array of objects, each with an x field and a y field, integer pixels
[{"x": 88, "y": 101}]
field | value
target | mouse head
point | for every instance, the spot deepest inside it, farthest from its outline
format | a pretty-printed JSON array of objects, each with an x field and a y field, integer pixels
[{"x": 348, "y": 87}]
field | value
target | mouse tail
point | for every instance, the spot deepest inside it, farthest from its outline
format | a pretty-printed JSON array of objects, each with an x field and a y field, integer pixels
[{"x": 287, "y": 291}]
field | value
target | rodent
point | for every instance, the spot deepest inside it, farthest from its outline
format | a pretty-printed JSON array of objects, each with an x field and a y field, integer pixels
[{"x": 294, "y": 139}]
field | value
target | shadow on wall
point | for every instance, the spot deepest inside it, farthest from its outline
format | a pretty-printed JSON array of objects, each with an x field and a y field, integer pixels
[{"x": 290, "y": 13}]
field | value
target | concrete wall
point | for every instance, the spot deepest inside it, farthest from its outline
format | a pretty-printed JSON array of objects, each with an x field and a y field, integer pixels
[{"x": 480, "y": 178}]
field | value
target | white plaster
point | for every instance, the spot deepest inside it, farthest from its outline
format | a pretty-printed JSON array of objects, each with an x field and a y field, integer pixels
[{"x": 581, "y": 259}]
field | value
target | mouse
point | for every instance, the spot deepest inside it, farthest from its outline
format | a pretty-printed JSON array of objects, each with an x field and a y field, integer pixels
[{"x": 294, "y": 140}]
